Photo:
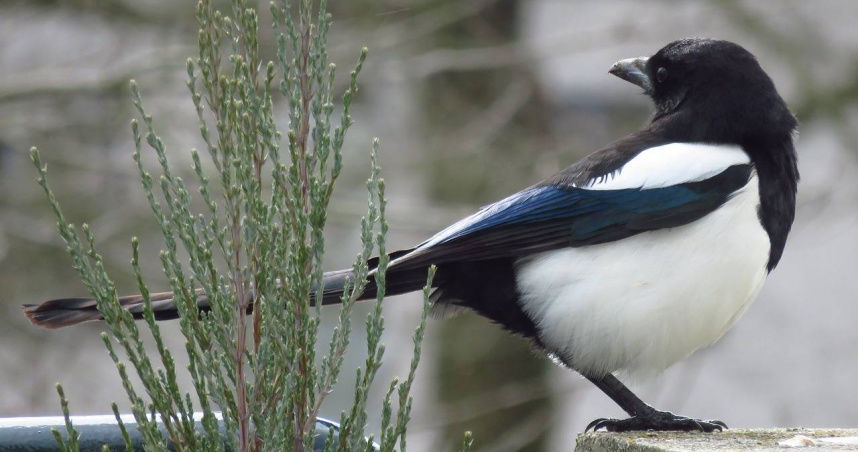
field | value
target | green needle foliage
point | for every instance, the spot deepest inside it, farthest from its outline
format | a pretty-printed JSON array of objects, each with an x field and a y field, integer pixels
[
  {"x": 256, "y": 247},
  {"x": 70, "y": 445}
]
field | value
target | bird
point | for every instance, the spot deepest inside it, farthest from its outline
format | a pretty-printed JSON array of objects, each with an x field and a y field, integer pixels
[{"x": 628, "y": 260}]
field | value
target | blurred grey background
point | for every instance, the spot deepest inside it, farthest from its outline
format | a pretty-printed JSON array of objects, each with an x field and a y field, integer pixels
[{"x": 472, "y": 100}]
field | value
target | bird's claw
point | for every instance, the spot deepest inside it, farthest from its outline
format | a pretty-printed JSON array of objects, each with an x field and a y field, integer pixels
[
  {"x": 658, "y": 420},
  {"x": 718, "y": 423},
  {"x": 596, "y": 424}
]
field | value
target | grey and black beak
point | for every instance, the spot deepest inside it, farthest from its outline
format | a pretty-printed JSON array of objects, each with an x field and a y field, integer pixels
[{"x": 633, "y": 70}]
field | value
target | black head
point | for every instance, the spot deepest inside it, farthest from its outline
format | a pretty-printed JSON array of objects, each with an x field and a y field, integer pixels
[{"x": 707, "y": 90}]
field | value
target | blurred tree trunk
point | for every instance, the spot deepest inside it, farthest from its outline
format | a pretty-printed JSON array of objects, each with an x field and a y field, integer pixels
[{"x": 482, "y": 127}]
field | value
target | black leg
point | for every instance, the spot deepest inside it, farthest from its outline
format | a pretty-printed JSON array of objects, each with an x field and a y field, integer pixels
[{"x": 643, "y": 416}]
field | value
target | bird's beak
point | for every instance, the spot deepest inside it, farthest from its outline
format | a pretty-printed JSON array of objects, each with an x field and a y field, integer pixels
[{"x": 633, "y": 70}]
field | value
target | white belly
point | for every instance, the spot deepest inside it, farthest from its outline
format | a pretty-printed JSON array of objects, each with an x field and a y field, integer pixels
[{"x": 642, "y": 303}]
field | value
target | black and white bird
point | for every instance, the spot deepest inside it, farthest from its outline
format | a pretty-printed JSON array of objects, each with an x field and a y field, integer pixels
[{"x": 630, "y": 259}]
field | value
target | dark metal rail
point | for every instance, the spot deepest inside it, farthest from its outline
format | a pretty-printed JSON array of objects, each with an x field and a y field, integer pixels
[{"x": 33, "y": 434}]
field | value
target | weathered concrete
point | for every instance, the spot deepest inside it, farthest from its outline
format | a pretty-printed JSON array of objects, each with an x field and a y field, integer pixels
[{"x": 780, "y": 439}]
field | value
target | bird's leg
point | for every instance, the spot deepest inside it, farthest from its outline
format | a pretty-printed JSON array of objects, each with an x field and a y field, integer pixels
[{"x": 643, "y": 416}]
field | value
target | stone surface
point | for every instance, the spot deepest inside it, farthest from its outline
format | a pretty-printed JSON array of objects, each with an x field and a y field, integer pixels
[{"x": 780, "y": 439}]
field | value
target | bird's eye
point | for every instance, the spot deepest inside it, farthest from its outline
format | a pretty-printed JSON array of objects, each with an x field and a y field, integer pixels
[{"x": 661, "y": 74}]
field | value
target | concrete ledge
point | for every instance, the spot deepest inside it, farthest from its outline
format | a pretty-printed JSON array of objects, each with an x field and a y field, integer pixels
[{"x": 778, "y": 439}]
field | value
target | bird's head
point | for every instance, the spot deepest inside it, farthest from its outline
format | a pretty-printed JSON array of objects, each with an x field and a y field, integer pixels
[{"x": 709, "y": 90}]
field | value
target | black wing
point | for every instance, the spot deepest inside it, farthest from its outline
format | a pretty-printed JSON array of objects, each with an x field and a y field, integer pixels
[{"x": 548, "y": 217}]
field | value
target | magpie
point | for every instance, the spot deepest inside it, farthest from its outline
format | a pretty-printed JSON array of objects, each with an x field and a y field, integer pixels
[{"x": 630, "y": 259}]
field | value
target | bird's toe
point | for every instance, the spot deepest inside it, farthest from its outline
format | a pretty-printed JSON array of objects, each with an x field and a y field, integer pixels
[{"x": 659, "y": 421}]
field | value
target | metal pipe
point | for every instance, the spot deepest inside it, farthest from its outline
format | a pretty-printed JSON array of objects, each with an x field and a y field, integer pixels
[{"x": 33, "y": 434}]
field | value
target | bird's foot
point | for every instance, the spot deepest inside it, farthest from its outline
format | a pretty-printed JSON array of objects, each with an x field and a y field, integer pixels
[{"x": 656, "y": 420}]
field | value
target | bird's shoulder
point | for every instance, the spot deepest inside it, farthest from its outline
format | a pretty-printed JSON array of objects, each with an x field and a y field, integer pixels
[{"x": 606, "y": 160}]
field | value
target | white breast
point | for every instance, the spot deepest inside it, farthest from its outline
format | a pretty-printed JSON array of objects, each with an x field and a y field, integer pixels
[{"x": 642, "y": 303}]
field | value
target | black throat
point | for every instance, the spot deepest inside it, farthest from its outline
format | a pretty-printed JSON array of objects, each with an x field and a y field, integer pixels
[{"x": 777, "y": 170}]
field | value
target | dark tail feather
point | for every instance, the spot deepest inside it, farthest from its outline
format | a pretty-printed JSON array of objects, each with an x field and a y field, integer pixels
[
  {"x": 64, "y": 312},
  {"x": 400, "y": 279},
  {"x": 398, "y": 282},
  {"x": 71, "y": 311}
]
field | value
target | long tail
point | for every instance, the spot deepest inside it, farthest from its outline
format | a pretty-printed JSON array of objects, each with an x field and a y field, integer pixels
[{"x": 64, "y": 312}]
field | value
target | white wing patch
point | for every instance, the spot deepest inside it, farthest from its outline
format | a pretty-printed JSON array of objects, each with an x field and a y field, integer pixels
[{"x": 671, "y": 164}]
